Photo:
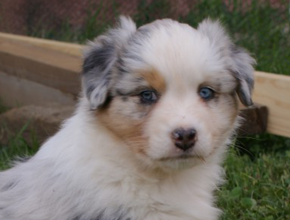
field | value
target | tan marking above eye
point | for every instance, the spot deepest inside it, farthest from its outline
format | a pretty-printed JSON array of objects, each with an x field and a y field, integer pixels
[{"x": 154, "y": 79}]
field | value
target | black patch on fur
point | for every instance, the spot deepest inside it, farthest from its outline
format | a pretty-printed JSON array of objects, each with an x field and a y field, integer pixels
[
  {"x": 98, "y": 57},
  {"x": 96, "y": 72},
  {"x": 235, "y": 51},
  {"x": 107, "y": 102},
  {"x": 243, "y": 73},
  {"x": 247, "y": 101},
  {"x": 102, "y": 84}
]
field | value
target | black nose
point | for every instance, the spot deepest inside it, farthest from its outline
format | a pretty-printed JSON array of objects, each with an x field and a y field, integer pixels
[{"x": 184, "y": 138}]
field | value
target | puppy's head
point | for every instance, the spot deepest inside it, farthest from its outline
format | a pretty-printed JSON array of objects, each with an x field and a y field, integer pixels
[{"x": 167, "y": 90}]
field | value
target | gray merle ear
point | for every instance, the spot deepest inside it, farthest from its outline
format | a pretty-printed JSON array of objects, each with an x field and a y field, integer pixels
[
  {"x": 99, "y": 59},
  {"x": 239, "y": 61},
  {"x": 244, "y": 72}
]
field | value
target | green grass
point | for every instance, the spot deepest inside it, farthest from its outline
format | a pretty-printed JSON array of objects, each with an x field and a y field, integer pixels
[
  {"x": 258, "y": 179},
  {"x": 16, "y": 147},
  {"x": 256, "y": 189}
]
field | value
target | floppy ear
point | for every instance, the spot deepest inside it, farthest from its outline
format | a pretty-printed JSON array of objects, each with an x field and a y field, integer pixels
[
  {"x": 239, "y": 61},
  {"x": 99, "y": 59},
  {"x": 244, "y": 72}
]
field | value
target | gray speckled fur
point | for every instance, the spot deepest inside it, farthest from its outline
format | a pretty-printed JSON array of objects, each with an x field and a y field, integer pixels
[{"x": 99, "y": 59}]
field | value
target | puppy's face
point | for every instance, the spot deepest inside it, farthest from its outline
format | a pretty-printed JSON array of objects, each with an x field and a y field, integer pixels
[{"x": 167, "y": 90}]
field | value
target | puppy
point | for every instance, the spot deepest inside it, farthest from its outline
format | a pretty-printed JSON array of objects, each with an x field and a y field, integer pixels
[{"x": 158, "y": 110}]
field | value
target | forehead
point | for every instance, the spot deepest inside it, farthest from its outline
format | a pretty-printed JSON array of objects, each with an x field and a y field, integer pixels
[{"x": 176, "y": 51}]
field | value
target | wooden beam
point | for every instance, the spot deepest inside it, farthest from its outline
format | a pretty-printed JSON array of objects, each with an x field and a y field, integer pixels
[{"x": 68, "y": 48}]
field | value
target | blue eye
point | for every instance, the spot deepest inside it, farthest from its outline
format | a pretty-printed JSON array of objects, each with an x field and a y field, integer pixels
[
  {"x": 148, "y": 96},
  {"x": 206, "y": 93}
]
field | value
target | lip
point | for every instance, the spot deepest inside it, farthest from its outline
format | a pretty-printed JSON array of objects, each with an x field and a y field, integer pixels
[{"x": 181, "y": 157}]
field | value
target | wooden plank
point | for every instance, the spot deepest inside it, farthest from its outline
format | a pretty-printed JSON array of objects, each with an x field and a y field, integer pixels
[
  {"x": 68, "y": 48},
  {"x": 44, "y": 66},
  {"x": 273, "y": 91}
]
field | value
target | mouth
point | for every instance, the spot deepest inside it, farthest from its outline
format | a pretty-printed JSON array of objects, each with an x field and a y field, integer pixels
[
  {"x": 183, "y": 157},
  {"x": 180, "y": 162}
]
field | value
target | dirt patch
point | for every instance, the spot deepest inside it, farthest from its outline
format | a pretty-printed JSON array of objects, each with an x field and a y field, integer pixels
[{"x": 38, "y": 122}]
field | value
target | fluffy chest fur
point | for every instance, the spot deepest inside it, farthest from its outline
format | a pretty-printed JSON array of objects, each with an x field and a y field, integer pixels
[
  {"x": 113, "y": 183},
  {"x": 82, "y": 181}
]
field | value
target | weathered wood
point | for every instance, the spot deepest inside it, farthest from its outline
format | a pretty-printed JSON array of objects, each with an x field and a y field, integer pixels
[
  {"x": 39, "y": 121},
  {"x": 255, "y": 120}
]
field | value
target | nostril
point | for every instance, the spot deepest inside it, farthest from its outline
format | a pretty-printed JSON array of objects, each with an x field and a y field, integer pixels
[
  {"x": 191, "y": 134},
  {"x": 182, "y": 134},
  {"x": 178, "y": 134},
  {"x": 184, "y": 138}
]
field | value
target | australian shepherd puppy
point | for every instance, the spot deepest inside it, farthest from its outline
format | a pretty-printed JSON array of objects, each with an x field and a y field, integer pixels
[{"x": 158, "y": 110}]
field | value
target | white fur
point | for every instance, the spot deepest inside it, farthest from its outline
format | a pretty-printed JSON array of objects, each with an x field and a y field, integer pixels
[
  {"x": 77, "y": 171},
  {"x": 84, "y": 172}
]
